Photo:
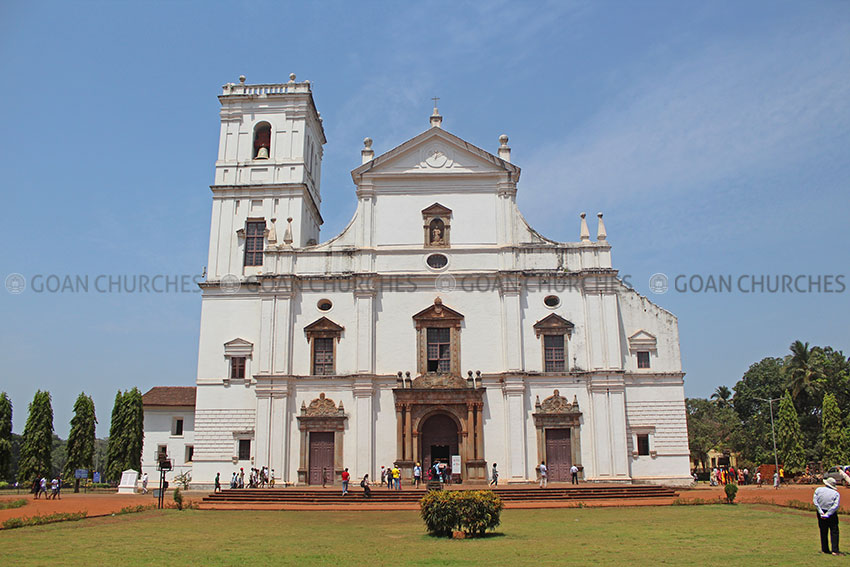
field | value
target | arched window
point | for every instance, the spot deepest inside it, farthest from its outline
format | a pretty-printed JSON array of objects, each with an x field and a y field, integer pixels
[{"x": 262, "y": 140}]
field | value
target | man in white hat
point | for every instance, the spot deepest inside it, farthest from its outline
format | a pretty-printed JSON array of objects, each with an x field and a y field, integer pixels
[{"x": 826, "y": 501}]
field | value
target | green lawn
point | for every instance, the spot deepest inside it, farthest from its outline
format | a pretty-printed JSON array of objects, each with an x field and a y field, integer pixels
[{"x": 678, "y": 535}]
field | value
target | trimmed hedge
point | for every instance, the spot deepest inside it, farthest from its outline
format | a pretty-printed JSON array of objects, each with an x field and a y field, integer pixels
[{"x": 472, "y": 512}]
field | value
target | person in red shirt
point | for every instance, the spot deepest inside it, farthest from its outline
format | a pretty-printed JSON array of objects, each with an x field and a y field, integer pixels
[{"x": 345, "y": 477}]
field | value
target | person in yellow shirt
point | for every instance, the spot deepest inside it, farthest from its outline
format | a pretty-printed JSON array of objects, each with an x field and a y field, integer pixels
[{"x": 396, "y": 478}]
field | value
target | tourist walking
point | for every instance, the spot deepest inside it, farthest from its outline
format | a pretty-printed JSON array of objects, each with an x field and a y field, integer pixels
[
  {"x": 364, "y": 484},
  {"x": 145, "y": 483},
  {"x": 345, "y": 477},
  {"x": 217, "y": 483},
  {"x": 544, "y": 477},
  {"x": 574, "y": 474},
  {"x": 54, "y": 488},
  {"x": 324, "y": 476},
  {"x": 758, "y": 478},
  {"x": 36, "y": 488},
  {"x": 826, "y": 500},
  {"x": 43, "y": 486},
  {"x": 776, "y": 480},
  {"x": 271, "y": 479},
  {"x": 494, "y": 476},
  {"x": 417, "y": 475},
  {"x": 396, "y": 477}
]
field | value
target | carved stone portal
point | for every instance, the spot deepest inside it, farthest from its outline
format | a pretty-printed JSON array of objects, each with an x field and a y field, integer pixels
[
  {"x": 556, "y": 413},
  {"x": 321, "y": 416}
]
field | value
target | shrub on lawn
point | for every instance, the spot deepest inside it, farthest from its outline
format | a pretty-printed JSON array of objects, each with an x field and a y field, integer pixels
[
  {"x": 731, "y": 492},
  {"x": 471, "y": 511},
  {"x": 178, "y": 498},
  {"x": 41, "y": 520},
  {"x": 9, "y": 504}
]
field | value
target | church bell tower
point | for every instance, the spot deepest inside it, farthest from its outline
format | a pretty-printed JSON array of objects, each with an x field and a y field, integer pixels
[{"x": 267, "y": 175}]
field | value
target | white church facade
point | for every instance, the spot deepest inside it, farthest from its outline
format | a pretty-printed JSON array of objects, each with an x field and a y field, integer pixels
[{"x": 438, "y": 324}]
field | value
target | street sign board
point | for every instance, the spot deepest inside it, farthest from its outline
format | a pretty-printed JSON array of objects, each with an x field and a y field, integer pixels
[
  {"x": 81, "y": 473},
  {"x": 96, "y": 477}
]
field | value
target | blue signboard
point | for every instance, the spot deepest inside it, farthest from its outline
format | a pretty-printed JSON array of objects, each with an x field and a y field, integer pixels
[
  {"x": 96, "y": 478},
  {"x": 81, "y": 473}
]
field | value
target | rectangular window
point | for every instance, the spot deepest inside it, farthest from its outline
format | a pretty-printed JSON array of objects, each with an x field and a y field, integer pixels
[
  {"x": 177, "y": 429},
  {"x": 161, "y": 452},
  {"x": 553, "y": 353},
  {"x": 254, "y": 242},
  {"x": 439, "y": 350},
  {"x": 237, "y": 367},
  {"x": 190, "y": 453},
  {"x": 643, "y": 359},
  {"x": 244, "y": 449},
  {"x": 643, "y": 444},
  {"x": 323, "y": 356}
]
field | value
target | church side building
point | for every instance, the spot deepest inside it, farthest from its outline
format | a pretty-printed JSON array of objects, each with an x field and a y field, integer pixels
[{"x": 437, "y": 326}]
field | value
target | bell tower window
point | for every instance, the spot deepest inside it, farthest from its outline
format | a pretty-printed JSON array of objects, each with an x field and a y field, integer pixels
[
  {"x": 254, "y": 242},
  {"x": 262, "y": 140}
]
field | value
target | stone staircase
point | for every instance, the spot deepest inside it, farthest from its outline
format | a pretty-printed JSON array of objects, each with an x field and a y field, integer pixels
[{"x": 409, "y": 497}]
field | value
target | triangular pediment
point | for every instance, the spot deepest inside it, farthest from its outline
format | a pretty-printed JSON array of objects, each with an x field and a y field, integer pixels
[
  {"x": 436, "y": 210},
  {"x": 238, "y": 343},
  {"x": 553, "y": 323},
  {"x": 436, "y": 151},
  {"x": 642, "y": 339},
  {"x": 323, "y": 324},
  {"x": 437, "y": 314}
]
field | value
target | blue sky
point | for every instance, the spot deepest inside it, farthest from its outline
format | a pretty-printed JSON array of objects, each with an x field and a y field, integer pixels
[{"x": 714, "y": 136}]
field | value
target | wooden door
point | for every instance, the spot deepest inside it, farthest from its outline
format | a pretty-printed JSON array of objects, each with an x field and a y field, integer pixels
[
  {"x": 321, "y": 456},
  {"x": 558, "y": 454}
]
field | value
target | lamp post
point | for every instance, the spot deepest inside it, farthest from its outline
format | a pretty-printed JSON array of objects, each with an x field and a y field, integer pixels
[{"x": 772, "y": 430}]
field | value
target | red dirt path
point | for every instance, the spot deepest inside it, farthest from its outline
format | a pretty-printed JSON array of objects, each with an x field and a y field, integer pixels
[{"x": 98, "y": 504}]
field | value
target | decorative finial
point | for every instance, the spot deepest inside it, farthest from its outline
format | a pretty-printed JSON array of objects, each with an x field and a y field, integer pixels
[
  {"x": 292, "y": 77},
  {"x": 436, "y": 119},
  {"x": 585, "y": 233},
  {"x": 367, "y": 153},
  {"x": 504, "y": 149},
  {"x": 287, "y": 236},
  {"x": 242, "y": 79},
  {"x": 600, "y": 231},
  {"x": 438, "y": 301}
]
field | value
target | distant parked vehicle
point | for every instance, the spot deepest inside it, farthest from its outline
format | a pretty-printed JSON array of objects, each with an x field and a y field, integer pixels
[{"x": 836, "y": 474}]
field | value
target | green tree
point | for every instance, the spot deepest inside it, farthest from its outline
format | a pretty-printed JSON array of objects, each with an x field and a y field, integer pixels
[
  {"x": 134, "y": 429},
  {"x": 831, "y": 433},
  {"x": 710, "y": 427},
  {"x": 805, "y": 377},
  {"x": 37, "y": 442},
  {"x": 788, "y": 436},
  {"x": 763, "y": 380},
  {"x": 80, "y": 447},
  {"x": 5, "y": 437},
  {"x": 115, "y": 451},
  {"x": 722, "y": 396}
]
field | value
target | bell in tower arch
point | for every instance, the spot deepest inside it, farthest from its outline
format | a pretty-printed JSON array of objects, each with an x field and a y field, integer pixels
[{"x": 262, "y": 140}]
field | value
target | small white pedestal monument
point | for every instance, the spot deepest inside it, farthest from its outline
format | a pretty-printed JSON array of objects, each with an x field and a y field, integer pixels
[{"x": 128, "y": 482}]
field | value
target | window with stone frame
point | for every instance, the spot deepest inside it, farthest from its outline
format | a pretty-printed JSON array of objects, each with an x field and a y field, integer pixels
[
  {"x": 323, "y": 356},
  {"x": 642, "y": 444},
  {"x": 255, "y": 235},
  {"x": 439, "y": 350},
  {"x": 323, "y": 336},
  {"x": 244, "y": 449},
  {"x": 555, "y": 331},
  {"x": 177, "y": 427},
  {"x": 438, "y": 340},
  {"x": 553, "y": 353},
  {"x": 237, "y": 367},
  {"x": 643, "y": 359}
]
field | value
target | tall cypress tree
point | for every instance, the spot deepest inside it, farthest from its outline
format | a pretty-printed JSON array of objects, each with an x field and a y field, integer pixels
[
  {"x": 80, "y": 447},
  {"x": 37, "y": 441},
  {"x": 788, "y": 436},
  {"x": 5, "y": 437},
  {"x": 134, "y": 429},
  {"x": 115, "y": 450},
  {"x": 831, "y": 432}
]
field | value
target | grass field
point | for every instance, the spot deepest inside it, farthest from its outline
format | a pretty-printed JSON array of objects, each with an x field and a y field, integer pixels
[{"x": 676, "y": 535}]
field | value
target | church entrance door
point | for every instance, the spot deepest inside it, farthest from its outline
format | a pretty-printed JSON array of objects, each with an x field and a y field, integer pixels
[
  {"x": 321, "y": 457},
  {"x": 439, "y": 441},
  {"x": 558, "y": 454}
]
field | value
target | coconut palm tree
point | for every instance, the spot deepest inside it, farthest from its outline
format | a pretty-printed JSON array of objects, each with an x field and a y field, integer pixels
[
  {"x": 804, "y": 375},
  {"x": 722, "y": 396}
]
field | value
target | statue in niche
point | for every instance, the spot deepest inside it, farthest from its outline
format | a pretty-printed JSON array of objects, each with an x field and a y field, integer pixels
[{"x": 437, "y": 233}]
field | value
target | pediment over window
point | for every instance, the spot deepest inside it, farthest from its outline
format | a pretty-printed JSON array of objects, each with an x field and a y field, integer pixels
[
  {"x": 238, "y": 347},
  {"x": 437, "y": 315},
  {"x": 553, "y": 324},
  {"x": 323, "y": 328},
  {"x": 643, "y": 340}
]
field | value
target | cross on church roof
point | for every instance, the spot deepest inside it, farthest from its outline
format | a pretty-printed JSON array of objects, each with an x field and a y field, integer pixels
[{"x": 435, "y": 99}]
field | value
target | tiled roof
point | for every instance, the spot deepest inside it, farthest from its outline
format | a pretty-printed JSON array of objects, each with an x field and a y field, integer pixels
[{"x": 170, "y": 396}]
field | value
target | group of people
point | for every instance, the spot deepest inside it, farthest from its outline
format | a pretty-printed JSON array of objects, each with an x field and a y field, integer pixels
[
  {"x": 40, "y": 486},
  {"x": 257, "y": 478},
  {"x": 728, "y": 475}
]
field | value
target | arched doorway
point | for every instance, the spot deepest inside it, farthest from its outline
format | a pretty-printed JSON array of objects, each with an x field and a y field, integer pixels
[{"x": 439, "y": 440}]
